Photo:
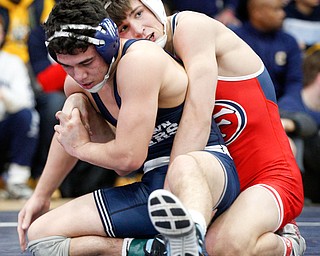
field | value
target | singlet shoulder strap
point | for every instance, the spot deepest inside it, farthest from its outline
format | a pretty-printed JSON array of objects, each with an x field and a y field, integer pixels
[
  {"x": 174, "y": 22},
  {"x": 126, "y": 45},
  {"x": 104, "y": 111}
]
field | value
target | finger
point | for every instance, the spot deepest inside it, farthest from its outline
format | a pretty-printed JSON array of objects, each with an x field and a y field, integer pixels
[
  {"x": 57, "y": 128},
  {"x": 57, "y": 115},
  {"x": 75, "y": 113},
  {"x": 22, "y": 227},
  {"x": 62, "y": 117},
  {"x": 76, "y": 116}
]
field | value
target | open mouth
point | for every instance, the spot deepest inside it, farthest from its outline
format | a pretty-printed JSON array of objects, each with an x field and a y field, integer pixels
[
  {"x": 151, "y": 37},
  {"x": 86, "y": 86}
]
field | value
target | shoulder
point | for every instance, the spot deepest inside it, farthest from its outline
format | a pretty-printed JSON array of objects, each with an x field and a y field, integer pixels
[
  {"x": 194, "y": 20},
  {"x": 143, "y": 52}
]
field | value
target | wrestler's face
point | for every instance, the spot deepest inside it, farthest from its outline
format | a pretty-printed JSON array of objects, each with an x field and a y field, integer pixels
[
  {"x": 309, "y": 3},
  {"x": 87, "y": 68},
  {"x": 272, "y": 15},
  {"x": 140, "y": 23}
]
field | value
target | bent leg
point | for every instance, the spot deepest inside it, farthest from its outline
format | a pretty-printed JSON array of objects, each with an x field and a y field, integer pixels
[
  {"x": 247, "y": 227},
  {"x": 214, "y": 175},
  {"x": 80, "y": 221},
  {"x": 203, "y": 184}
]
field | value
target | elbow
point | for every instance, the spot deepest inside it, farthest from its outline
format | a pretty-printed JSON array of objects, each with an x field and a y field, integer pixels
[{"x": 129, "y": 164}]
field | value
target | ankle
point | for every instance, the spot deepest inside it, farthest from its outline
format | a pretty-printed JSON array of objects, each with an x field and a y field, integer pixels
[{"x": 287, "y": 243}]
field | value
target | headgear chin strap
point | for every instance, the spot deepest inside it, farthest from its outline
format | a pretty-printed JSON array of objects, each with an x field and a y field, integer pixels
[
  {"x": 99, "y": 86},
  {"x": 157, "y": 8},
  {"x": 106, "y": 41}
]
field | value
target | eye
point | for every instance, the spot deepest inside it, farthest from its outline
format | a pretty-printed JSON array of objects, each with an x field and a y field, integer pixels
[
  {"x": 123, "y": 28},
  {"x": 65, "y": 66},
  {"x": 138, "y": 14},
  {"x": 86, "y": 64}
]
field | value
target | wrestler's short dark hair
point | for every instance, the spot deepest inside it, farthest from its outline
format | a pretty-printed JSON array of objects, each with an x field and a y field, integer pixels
[
  {"x": 87, "y": 12},
  {"x": 118, "y": 9}
]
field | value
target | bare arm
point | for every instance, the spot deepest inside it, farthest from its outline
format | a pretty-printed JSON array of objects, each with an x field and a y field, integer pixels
[
  {"x": 59, "y": 164},
  {"x": 136, "y": 119},
  {"x": 195, "y": 45}
]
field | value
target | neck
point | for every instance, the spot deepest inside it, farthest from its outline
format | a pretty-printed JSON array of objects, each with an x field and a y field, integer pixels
[{"x": 169, "y": 45}]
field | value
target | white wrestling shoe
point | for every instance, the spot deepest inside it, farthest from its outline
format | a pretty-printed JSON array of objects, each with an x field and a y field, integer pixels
[
  {"x": 172, "y": 220},
  {"x": 291, "y": 232}
]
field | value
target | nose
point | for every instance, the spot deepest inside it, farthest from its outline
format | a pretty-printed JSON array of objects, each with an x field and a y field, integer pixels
[
  {"x": 137, "y": 30},
  {"x": 80, "y": 74}
]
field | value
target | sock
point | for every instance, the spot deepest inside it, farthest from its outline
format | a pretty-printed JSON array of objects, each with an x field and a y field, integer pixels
[
  {"x": 287, "y": 246},
  {"x": 198, "y": 218},
  {"x": 125, "y": 246}
]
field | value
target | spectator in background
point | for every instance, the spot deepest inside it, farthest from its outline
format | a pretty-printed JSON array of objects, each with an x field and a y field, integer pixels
[
  {"x": 303, "y": 21},
  {"x": 19, "y": 123},
  {"x": 223, "y": 11},
  {"x": 308, "y": 102},
  {"x": 48, "y": 78},
  {"x": 21, "y": 16},
  {"x": 278, "y": 50}
]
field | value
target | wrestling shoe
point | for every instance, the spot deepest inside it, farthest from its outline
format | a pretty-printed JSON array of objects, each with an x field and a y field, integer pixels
[
  {"x": 292, "y": 233},
  {"x": 172, "y": 220},
  {"x": 19, "y": 191}
]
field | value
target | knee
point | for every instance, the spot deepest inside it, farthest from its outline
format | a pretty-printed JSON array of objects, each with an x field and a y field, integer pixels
[
  {"x": 229, "y": 244},
  {"x": 181, "y": 165},
  {"x": 35, "y": 230}
]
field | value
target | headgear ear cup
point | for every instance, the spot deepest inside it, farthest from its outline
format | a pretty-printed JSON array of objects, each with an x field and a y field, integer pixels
[
  {"x": 157, "y": 8},
  {"x": 109, "y": 34},
  {"x": 52, "y": 54},
  {"x": 106, "y": 38}
]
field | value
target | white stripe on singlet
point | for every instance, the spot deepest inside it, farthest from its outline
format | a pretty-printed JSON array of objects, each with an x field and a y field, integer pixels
[
  {"x": 277, "y": 199},
  {"x": 155, "y": 163},
  {"x": 164, "y": 160},
  {"x": 103, "y": 212}
]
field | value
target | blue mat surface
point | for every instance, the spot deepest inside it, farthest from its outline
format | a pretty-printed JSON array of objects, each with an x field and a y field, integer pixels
[{"x": 309, "y": 224}]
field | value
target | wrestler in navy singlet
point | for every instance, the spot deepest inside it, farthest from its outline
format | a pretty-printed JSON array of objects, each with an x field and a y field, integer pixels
[{"x": 123, "y": 210}]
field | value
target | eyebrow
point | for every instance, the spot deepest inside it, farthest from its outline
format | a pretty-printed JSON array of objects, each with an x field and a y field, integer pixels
[
  {"x": 80, "y": 63},
  {"x": 135, "y": 9}
]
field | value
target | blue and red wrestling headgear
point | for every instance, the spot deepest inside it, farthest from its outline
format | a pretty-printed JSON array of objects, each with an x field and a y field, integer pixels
[
  {"x": 106, "y": 38},
  {"x": 106, "y": 41}
]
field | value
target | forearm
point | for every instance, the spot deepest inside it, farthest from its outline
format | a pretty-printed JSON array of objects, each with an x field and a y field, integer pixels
[
  {"x": 298, "y": 124},
  {"x": 195, "y": 125},
  {"x": 193, "y": 131},
  {"x": 110, "y": 156},
  {"x": 58, "y": 166}
]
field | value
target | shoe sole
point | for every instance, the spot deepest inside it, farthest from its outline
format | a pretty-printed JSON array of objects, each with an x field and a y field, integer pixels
[
  {"x": 168, "y": 215},
  {"x": 172, "y": 220}
]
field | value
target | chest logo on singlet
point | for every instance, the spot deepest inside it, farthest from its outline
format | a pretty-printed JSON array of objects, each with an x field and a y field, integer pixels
[
  {"x": 230, "y": 118},
  {"x": 163, "y": 131}
]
